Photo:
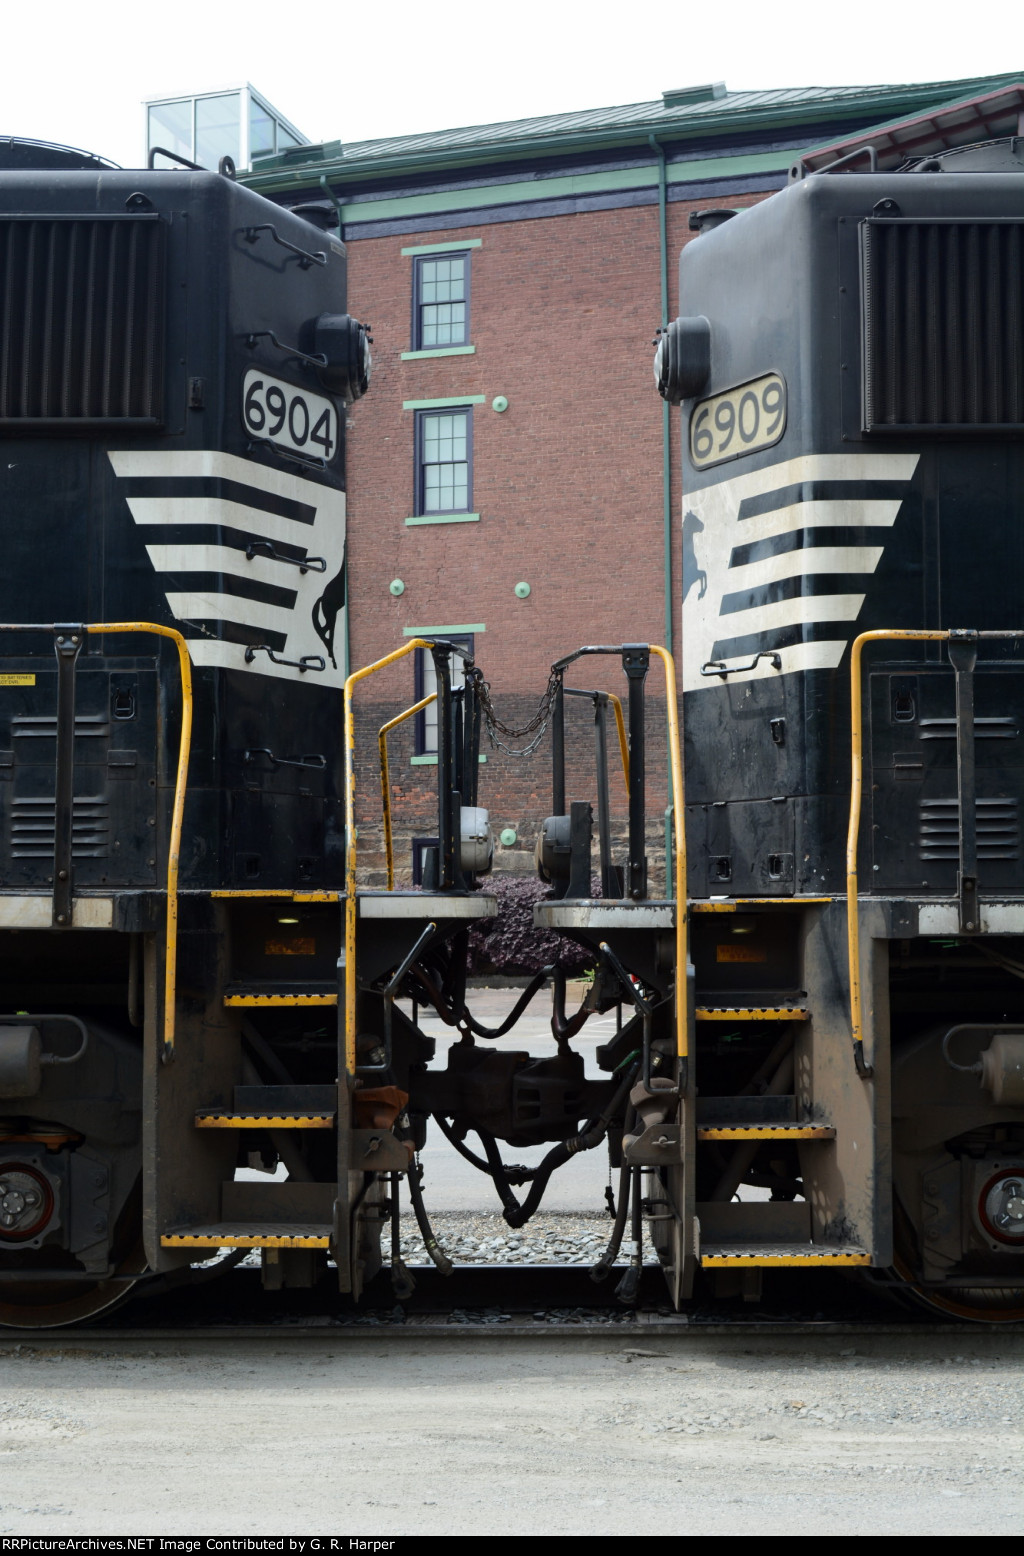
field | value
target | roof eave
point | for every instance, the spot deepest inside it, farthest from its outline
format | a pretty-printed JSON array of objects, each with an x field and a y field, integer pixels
[{"x": 690, "y": 127}]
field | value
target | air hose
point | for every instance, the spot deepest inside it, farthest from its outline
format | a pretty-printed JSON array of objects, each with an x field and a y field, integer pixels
[
  {"x": 592, "y": 1135},
  {"x": 430, "y": 1242},
  {"x": 611, "y": 1253}
]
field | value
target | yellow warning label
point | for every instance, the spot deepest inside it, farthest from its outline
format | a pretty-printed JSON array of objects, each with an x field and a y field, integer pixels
[
  {"x": 17, "y": 680},
  {"x": 741, "y": 953},
  {"x": 296, "y": 945}
]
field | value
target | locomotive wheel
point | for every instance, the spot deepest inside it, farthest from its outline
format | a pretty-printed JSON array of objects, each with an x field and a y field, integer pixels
[
  {"x": 50, "y": 1304},
  {"x": 978, "y": 1304}
]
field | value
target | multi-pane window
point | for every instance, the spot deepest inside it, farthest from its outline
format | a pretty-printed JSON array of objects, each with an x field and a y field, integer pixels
[
  {"x": 443, "y": 461},
  {"x": 441, "y": 302},
  {"x": 426, "y": 683}
]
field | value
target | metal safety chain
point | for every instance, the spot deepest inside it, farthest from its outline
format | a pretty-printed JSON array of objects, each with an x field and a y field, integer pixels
[{"x": 536, "y": 727}]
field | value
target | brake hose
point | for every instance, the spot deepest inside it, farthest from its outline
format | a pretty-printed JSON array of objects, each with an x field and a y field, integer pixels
[
  {"x": 430, "y": 1242},
  {"x": 591, "y": 1135}
]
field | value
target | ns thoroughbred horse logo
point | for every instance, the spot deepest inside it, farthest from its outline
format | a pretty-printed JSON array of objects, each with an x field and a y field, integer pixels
[{"x": 693, "y": 573}]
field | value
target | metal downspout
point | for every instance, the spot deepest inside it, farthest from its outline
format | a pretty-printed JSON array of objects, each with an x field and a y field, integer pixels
[
  {"x": 329, "y": 192},
  {"x": 666, "y": 461}
]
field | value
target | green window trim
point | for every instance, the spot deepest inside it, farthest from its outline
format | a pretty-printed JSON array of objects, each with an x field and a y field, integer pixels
[
  {"x": 432, "y": 632},
  {"x": 444, "y": 518},
  {"x": 443, "y": 248},
  {"x": 439, "y": 351},
  {"x": 430, "y": 759},
  {"x": 437, "y": 405}
]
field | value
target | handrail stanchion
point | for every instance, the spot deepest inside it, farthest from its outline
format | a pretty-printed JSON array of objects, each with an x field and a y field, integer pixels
[
  {"x": 385, "y": 780},
  {"x": 177, "y": 812},
  {"x": 682, "y": 949},
  {"x": 880, "y": 634},
  {"x": 351, "y": 902}
]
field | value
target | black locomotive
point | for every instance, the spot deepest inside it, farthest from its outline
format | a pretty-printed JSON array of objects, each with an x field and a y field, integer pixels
[
  {"x": 819, "y": 1057},
  {"x": 175, "y": 359},
  {"x": 851, "y": 367}
]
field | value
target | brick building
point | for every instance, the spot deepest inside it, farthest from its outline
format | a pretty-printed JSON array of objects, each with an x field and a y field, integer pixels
[{"x": 515, "y": 275}]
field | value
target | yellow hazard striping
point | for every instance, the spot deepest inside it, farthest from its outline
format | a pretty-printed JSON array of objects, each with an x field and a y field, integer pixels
[
  {"x": 767, "y": 1132},
  {"x": 750, "y": 1013},
  {"x": 719, "y": 1260},
  {"x": 264, "y": 1120},
  {"x": 280, "y": 999},
  {"x": 242, "y": 1240}
]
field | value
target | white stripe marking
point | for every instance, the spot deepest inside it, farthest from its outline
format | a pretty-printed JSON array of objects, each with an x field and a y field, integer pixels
[
  {"x": 798, "y": 564},
  {"x": 852, "y": 514},
  {"x": 800, "y": 656},
  {"x": 218, "y": 510},
  {"x": 227, "y": 607},
  {"x": 225, "y": 560},
  {"x": 805, "y": 609},
  {"x": 206, "y": 463}
]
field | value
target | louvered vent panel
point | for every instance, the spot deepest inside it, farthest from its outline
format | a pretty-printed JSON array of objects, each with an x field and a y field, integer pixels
[
  {"x": 943, "y": 324},
  {"x": 82, "y": 310},
  {"x": 998, "y": 829},
  {"x": 32, "y": 826}
]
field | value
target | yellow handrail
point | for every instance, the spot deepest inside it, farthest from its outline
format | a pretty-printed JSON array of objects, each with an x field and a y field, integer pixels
[
  {"x": 880, "y": 634},
  {"x": 676, "y": 768},
  {"x": 620, "y": 725},
  {"x": 385, "y": 781},
  {"x": 177, "y": 812},
  {"x": 351, "y": 902}
]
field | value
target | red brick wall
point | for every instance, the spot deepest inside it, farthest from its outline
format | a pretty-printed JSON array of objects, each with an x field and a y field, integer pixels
[{"x": 567, "y": 482}]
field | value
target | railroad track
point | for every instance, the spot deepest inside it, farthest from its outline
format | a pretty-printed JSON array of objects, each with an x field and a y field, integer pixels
[{"x": 515, "y": 1301}]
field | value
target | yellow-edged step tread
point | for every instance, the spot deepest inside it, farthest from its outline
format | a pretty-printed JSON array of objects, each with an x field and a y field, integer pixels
[
  {"x": 260, "y": 1234},
  {"x": 752, "y": 1013},
  {"x": 716, "y": 1256},
  {"x": 766, "y": 1132},
  {"x": 209, "y": 1118}
]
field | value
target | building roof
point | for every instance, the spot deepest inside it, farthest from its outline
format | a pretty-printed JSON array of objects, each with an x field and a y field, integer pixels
[{"x": 700, "y": 112}]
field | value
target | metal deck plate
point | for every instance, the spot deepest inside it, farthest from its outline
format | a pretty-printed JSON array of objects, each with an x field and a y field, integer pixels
[
  {"x": 600, "y": 913},
  {"x": 780, "y": 1255},
  {"x": 424, "y": 905},
  {"x": 257, "y": 1234}
]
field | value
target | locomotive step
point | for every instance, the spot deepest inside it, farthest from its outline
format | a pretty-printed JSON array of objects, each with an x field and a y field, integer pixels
[
  {"x": 261, "y": 1234},
  {"x": 742, "y": 904},
  {"x": 752, "y": 1013},
  {"x": 215, "y": 1120},
  {"x": 766, "y": 1132},
  {"x": 717, "y": 1256},
  {"x": 277, "y": 995}
]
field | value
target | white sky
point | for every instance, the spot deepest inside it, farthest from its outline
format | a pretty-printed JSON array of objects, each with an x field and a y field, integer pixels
[{"x": 77, "y": 73}]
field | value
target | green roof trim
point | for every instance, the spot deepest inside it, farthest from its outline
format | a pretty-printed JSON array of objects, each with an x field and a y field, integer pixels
[{"x": 597, "y": 128}]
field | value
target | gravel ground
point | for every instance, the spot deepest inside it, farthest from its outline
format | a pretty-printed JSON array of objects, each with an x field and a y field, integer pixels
[
  {"x": 486, "y": 1238},
  {"x": 373, "y": 1435}
]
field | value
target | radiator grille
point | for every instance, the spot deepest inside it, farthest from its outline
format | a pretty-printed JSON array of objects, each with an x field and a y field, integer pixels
[
  {"x": 32, "y": 827},
  {"x": 81, "y": 319},
  {"x": 998, "y": 831},
  {"x": 943, "y": 324}
]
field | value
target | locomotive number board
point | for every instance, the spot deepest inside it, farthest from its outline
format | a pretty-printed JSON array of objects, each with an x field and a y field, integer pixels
[
  {"x": 738, "y": 421},
  {"x": 290, "y": 417}
]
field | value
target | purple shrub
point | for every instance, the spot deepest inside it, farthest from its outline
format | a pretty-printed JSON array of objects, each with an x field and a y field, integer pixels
[{"x": 510, "y": 945}]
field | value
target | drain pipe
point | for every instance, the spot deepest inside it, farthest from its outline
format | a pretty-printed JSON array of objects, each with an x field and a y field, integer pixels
[
  {"x": 329, "y": 192},
  {"x": 666, "y": 463}
]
